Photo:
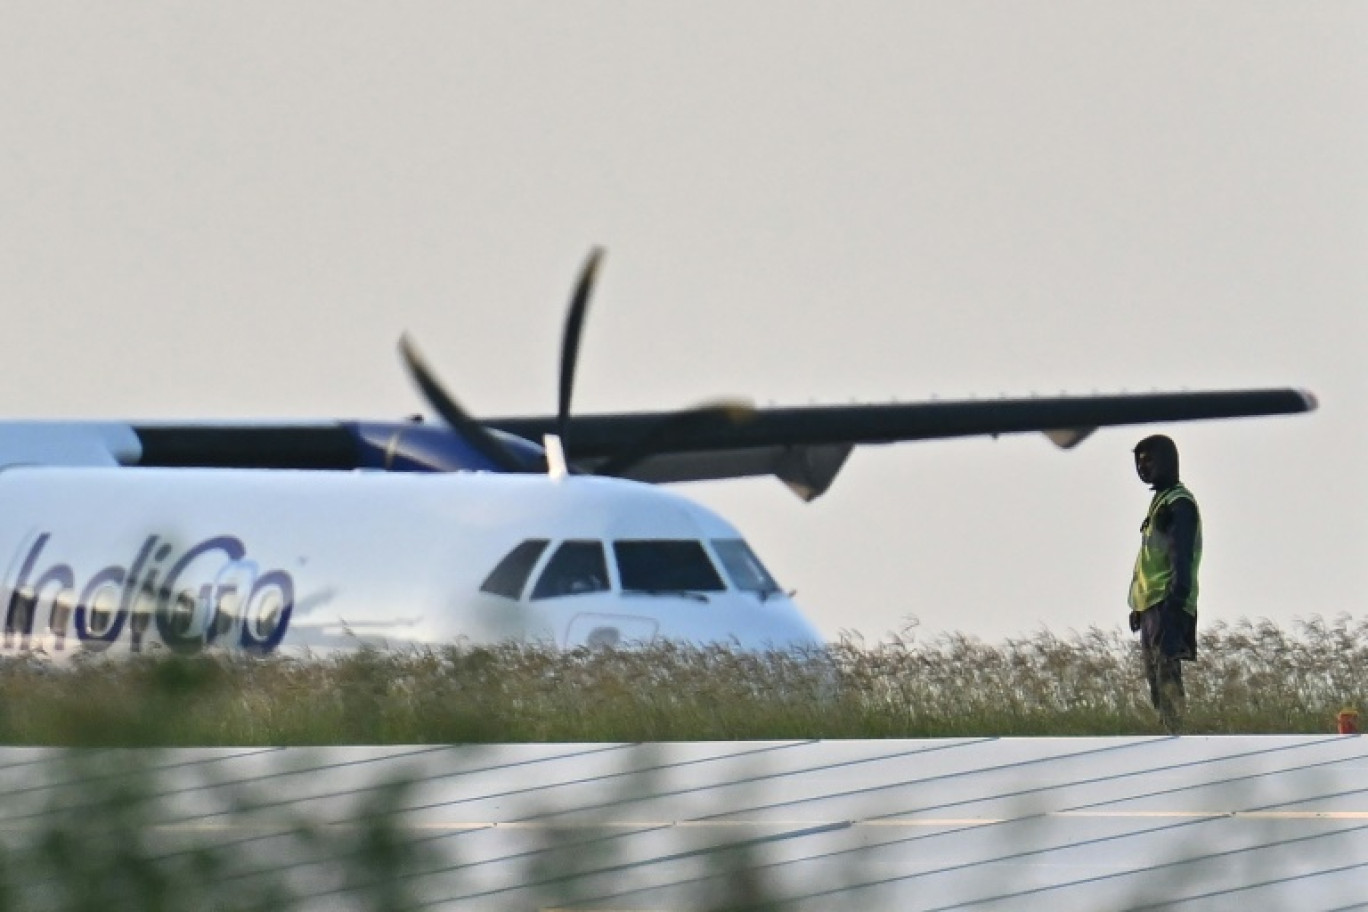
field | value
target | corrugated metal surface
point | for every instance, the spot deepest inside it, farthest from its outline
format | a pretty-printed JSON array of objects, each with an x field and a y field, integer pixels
[{"x": 1085, "y": 823}]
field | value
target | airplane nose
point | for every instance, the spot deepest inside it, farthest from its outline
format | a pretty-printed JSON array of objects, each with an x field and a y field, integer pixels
[
  {"x": 777, "y": 624},
  {"x": 804, "y": 633}
]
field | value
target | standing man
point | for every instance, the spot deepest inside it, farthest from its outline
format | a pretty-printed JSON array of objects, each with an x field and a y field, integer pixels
[{"x": 1163, "y": 591}]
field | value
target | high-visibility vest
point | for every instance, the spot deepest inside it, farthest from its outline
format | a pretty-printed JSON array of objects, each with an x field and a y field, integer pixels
[{"x": 1153, "y": 567}]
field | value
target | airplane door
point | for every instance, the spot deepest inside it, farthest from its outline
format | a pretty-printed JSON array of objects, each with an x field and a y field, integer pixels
[{"x": 592, "y": 628}]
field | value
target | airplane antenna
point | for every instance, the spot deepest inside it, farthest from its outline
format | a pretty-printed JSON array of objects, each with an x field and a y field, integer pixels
[{"x": 555, "y": 457}]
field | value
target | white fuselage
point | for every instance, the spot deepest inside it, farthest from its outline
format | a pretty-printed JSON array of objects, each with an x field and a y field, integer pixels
[{"x": 119, "y": 559}]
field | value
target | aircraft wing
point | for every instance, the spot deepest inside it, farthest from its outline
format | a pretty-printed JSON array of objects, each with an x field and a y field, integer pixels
[
  {"x": 806, "y": 446},
  {"x": 803, "y": 446}
]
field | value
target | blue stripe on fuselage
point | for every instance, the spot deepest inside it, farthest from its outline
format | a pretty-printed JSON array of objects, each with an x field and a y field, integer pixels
[{"x": 415, "y": 447}]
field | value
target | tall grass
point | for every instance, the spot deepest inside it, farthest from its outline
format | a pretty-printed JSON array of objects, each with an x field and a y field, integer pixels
[
  {"x": 1251, "y": 677},
  {"x": 88, "y": 833}
]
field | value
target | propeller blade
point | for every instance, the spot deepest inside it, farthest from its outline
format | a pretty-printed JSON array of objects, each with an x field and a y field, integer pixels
[
  {"x": 574, "y": 323},
  {"x": 489, "y": 446},
  {"x": 673, "y": 428}
]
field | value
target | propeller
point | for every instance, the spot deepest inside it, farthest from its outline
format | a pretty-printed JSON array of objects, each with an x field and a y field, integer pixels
[
  {"x": 670, "y": 428},
  {"x": 677, "y": 426},
  {"x": 574, "y": 324},
  {"x": 489, "y": 446}
]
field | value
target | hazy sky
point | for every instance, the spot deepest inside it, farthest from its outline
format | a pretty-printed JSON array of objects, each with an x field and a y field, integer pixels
[{"x": 233, "y": 210}]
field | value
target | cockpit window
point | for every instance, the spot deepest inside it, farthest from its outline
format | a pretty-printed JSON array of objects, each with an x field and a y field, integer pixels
[
  {"x": 743, "y": 568},
  {"x": 577, "y": 567},
  {"x": 509, "y": 577},
  {"x": 665, "y": 566}
]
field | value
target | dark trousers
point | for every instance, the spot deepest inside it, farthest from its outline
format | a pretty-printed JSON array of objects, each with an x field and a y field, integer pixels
[{"x": 1167, "y": 637}]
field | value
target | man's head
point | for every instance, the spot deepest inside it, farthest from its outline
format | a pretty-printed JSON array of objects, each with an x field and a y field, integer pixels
[{"x": 1156, "y": 461}]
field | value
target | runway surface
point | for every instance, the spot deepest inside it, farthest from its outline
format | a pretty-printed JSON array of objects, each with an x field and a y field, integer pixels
[{"x": 1193, "y": 823}]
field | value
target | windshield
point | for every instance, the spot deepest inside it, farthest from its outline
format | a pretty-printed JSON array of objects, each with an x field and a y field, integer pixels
[
  {"x": 742, "y": 566},
  {"x": 576, "y": 568},
  {"x": 666, "y": 566},
  {"x": 509, "y": 577}
]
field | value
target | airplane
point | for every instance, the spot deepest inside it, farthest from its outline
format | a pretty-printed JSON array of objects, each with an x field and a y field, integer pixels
[{"x": 120, "y": 538}]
